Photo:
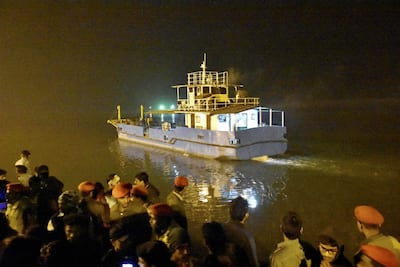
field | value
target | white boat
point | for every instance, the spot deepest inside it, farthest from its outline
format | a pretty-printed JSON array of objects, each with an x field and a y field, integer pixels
[{"x": 212, "y": 120}]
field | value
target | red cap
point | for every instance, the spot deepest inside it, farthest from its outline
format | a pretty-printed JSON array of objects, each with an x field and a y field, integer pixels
[
  {"x": 380, "y": 255},
  {"x": 86, "y": 187},
  {"x": 160, "y": 209},
  {"x": 181, "y": 181},
  {"x": 121, "y": 190},
  {"x": 368, "y": 215},
  {"x": 15, "y": 187}
]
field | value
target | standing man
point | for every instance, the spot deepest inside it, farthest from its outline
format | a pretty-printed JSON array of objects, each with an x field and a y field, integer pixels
[
  {"x": 369, "y": 222},
  {"x": 292, "y": 251},
  {"x": 168, "y": 231},
  {"x": 142, "y": 178},
  {"x": 243, "y": 241},
  {"x": 176, "y": 202}
]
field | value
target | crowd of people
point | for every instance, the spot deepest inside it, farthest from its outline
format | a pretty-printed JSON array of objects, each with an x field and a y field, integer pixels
[{"x": 128, "y": 224}]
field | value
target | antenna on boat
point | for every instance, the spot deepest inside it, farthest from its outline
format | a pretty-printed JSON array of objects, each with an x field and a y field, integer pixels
[{"x": 203, "y": 67}]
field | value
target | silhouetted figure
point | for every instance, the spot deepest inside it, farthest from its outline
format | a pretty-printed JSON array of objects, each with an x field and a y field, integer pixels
[
  {"x": 176, "y": 201},
  {"x": 154, "y": 253},
  {"x": 58, "y": 253},
  {"x": 219, "y": 253},
  {"x": 5, "y": 229},
  {"x": 21, "y": 251},
  {"x": 244, "y": 246},
  {"x": 86, "y": 248},
  {"x": 168, "y": 231},
  {"x": 67, "y": 204},
  {"x": 45, "y": 190}
]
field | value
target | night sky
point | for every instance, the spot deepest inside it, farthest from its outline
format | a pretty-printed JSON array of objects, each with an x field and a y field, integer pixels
[{"x": 65, "y": 58}]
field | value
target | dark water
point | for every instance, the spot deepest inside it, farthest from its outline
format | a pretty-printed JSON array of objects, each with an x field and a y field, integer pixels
[{"x": 340, "y": 156}]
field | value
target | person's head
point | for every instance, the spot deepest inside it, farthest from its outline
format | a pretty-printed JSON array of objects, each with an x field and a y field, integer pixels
[
  {"x": 68, "y": 202},
  {"x": 328, "y": 247},
  {"x": 14, "y": 192},
  {"x": 43, "y": 171},
  {"x": 122, "y": 193},
  {"x": 291, "y": 225},
  {"x": 141, "y": 178},
  {"x": 25, "y": 153},
  {"x": 112, "y": 180},
  {"x": 21, "y": 169},
  {"x": 368, "y": 219},
  {"x": 375, "y": 256},
  {"x": 160, "y": 217},
  {"x": 238, "y": 209},
  {"x": 180, "y": 183},
  {"x": 214, "y": 237},
  {"x": 119, "y": 236},
  {"x": 139, "y": 191},
  {"x": 86, "y": 188},
  {"x": 98, "y": 190},
  {"x": 76, "y": 226},
  {"x": 154, "y": 254}
]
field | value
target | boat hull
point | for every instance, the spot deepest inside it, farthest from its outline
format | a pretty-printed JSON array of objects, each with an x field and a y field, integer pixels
[{"x": 239, "y": 145}]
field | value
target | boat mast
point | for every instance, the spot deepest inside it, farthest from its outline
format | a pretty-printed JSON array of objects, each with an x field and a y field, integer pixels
[{"x": 203, "y": 67}]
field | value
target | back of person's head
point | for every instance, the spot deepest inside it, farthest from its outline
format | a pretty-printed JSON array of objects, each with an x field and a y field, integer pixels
[
  {"x": 154, "y": 253},
  {"x": 25, "y": 153},
  {"x": 139, "y": 191},
  {"x": 238, "y": 208},
  {"x": 68, "y": 202},
  {"x": 142, "y": 176},
  {"x": 43, "y": 171},
  {"x": 292, "y": 225},
  {"x": 214, "y": 237},
  {"x": 21, "y": 169},
  {"x": 369, "y": 217},
  {"x": 98, "y": 189}
]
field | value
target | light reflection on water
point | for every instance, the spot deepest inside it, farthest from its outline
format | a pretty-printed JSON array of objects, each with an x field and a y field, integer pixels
[{"x": 213, "y": 183}]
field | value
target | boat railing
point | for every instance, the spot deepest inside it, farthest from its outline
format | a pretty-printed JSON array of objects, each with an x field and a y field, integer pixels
[
  {"x": 211, "y": 104},
  {"x": 208, "y": 77}
]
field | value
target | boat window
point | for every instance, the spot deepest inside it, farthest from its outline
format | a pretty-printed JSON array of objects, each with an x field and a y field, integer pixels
[
  {"x": 215, "y": 90},
  {"x": 218, "y": 90},
  {"x": 206, "y": 90}
]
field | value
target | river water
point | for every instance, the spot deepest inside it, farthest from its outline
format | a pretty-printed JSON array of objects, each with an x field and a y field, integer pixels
[{"x": 340, "y": 155}]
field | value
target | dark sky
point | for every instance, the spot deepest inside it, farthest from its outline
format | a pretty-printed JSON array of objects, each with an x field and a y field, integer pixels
[{"x": 64, "y": 57}]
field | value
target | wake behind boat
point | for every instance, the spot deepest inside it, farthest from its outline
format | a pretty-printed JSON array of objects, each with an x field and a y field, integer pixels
[{"x": 212, "y": 120}]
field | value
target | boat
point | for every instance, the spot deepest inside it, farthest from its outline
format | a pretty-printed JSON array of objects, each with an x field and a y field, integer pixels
[{"x": 212, "y": 119}]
